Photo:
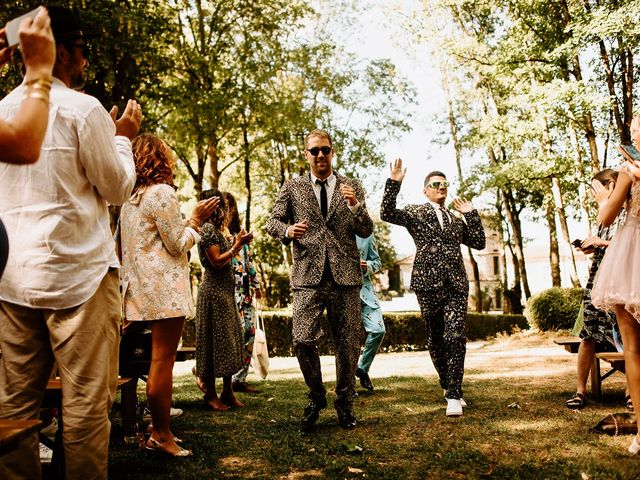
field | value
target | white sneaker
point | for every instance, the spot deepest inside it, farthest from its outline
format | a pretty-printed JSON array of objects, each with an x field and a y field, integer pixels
[
  {"x": 454, "y": 407},
  {"x": 462, "y": 402},
  {"x": 173, "y": 412}
]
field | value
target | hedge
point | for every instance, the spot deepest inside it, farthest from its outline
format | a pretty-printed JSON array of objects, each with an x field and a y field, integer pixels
[
  {"x": 405, "y": 331},
  {"x": 554, "y": 309}
]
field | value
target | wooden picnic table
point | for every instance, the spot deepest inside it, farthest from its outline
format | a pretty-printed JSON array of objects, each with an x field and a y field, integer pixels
[
  {"x": 12, "y": 431},
  {"x": 615, "y": 359}
]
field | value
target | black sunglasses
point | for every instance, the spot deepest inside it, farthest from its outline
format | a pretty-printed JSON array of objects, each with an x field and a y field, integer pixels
[
  {"x": 82, "y": 46},
  {"x": 316, "y": 150}
]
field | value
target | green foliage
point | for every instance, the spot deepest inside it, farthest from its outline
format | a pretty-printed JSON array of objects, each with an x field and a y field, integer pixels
[
  {"x": 555, "y": 308},
  {"x": 405, "y": 331}
]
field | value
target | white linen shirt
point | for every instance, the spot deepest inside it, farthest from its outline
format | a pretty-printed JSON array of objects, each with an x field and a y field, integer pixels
[{"x": 55, "y": 211}]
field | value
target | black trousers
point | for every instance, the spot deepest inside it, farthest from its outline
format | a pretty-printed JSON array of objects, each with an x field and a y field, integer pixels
[{"x": 444, "y": 311}]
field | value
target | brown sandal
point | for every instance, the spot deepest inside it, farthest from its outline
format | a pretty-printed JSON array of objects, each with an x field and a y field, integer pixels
[
  {"x": 629, "y": 404},
  {"x": 577, "y": 402}
]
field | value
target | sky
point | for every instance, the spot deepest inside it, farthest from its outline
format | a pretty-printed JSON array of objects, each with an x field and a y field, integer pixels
[{"x": 380, "y": 32}]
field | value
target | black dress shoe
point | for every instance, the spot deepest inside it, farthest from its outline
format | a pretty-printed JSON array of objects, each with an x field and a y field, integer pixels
[
  {"x": 365, "y": 381},
  {"x": 312, "y": 412},
  {"x": 346, "y": 418}
]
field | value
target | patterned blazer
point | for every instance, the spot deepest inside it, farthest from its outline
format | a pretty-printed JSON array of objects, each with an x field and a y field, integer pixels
[
  {"x": 438, "y": 255},
  {"x": 369, "y": 252},
  {"x": 334, "y": 237}
]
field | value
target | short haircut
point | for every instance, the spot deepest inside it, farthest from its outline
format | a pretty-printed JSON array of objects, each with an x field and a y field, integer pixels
[
  {"x": 606, "y": 176},
  {"x": 435, "y": 173},
  {"x": 318, "y": 132}
]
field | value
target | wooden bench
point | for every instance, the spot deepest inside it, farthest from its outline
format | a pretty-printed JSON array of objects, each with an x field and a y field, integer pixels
[
  {"x": 571, "y": 345},
  {"x": 53, "y": 399},
  {"x": 615, "y": 359},
  {"x": 12, "y": 431}
]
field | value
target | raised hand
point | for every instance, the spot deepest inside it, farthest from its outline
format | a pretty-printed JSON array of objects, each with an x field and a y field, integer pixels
[
  {"x": 203, "y": 210},
  {"x": 349, "y": 194},
  {"x": 397, "y": 172},
  {"x": 298, "y": 230},
  {"x": 244, "y": 238},
  {"x": 462, "y": 205},
  {"x": 37, "y": 46},
  {"x": 129, "y": 122}
]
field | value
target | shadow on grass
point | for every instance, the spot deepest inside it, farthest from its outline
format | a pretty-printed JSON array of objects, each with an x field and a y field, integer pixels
[{"x": 514, "y": 428}]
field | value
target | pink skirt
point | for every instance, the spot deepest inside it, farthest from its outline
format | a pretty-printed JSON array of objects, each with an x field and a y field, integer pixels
[{"x": 618, "y": 279}]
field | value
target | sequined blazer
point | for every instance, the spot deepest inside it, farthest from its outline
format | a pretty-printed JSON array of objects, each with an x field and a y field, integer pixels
[
  {"x": 438, "y": 256},
  {"x": 333, "y": 238}
]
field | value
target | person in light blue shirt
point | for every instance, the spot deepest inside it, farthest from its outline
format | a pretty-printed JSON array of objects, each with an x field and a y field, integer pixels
[{"x": 370, "y": 263}]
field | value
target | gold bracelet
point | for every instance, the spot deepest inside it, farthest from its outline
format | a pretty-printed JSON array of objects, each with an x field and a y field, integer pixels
[
  {"x": 37, "y": 95},
  {"x": 44, "y": 83}
]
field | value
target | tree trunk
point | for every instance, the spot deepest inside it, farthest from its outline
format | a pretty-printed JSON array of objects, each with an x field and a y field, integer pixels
[
  {"x": 559, "y": 205},
  {"x": 554, "y": 252},
  {"x": 247, "y": 177},
  {"x": 214, "y": 161}
]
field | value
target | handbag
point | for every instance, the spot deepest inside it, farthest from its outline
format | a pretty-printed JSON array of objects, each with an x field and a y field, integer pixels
[
  {"x": 260, "y": 353},
  {"x": 617, "y": 424}
]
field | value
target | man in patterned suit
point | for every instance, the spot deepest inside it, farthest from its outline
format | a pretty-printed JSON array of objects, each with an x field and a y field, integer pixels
[
  {"x": 321, "y": 213},
  {"x": 439, "y": 277}
]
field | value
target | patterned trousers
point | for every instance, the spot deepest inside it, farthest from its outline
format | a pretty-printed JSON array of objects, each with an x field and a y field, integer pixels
[
  {"x": 343, "y": 314},
  {"x": 444, "y": 311}
]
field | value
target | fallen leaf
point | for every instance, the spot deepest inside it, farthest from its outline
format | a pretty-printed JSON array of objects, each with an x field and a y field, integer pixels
[
  {"x": 270, "y": 399},
  {"x": 439, "y": 455},
  {"x": 355, "y": 470},
  {"x": 514, "y": 405},
  {"x": 272, "y": 421},
  {"x": 352, "y": 448},
  {"x": 584, "y": 476},
  {"x": 408, "y": 409},
  {"x": 311, "y": 450}
]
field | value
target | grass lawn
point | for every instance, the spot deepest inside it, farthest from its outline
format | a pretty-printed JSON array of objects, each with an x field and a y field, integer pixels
[{"x": 516, "y": 427}]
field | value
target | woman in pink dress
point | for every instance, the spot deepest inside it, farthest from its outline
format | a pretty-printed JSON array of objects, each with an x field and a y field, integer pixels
[{"x": 617, "y": 283}]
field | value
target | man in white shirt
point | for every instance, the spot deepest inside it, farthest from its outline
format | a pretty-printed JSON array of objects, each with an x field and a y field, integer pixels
[
  {"x": 439, "y": 277},
  {"x": 59, "y": 296}
]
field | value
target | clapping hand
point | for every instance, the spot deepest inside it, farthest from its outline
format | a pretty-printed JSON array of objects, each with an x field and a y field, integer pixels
[
  {"x": 462, "y": 205},
  {"x": 204, "y": 209},
  {"x": 397, "y": 172},
  {"x": 129, "y": 122},
  {"x": 298, "y": 230},
  {"x": 244, "y": 238},
  {"x": 349, "y": 194}
]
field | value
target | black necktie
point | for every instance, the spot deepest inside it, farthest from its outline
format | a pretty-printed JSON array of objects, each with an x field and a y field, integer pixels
[
  {"x": 446, "y": 223},
  {"x": 323, "y": 197}
]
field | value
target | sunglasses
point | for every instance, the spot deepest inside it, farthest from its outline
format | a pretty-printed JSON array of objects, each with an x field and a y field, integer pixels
[
  {"x": 82, "y": 46},
  {"x": 438, "y": 185},
  {"x": 316, "y": 150}
]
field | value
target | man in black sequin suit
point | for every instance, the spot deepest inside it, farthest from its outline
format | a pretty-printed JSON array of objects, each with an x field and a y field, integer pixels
[{"x": 439, "y": 278}]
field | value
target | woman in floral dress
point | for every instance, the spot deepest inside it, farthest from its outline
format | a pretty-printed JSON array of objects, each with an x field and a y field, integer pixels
[
  {"x": 155, "y": 273},
  {"x": 219, "y": 338}
]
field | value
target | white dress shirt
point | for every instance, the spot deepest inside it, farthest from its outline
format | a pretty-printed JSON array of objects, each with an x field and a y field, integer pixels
[
  {"x": 55, "y": 211},
  {"x": 439, "y": 212}
]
